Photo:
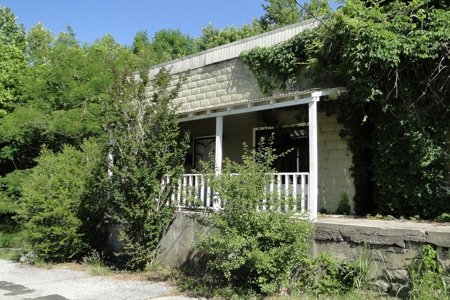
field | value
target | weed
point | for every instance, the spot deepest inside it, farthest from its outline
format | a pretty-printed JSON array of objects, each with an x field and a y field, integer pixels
[
  {"x": 353, "y": 295},
  {"x": 12, "y": 237},
  {"x": 213, "y": 287},
  {"x": 381, "y": 217},
  {"x": 11, "y": 254},
  {"x": 444, "y": 217},
  {"x": 414, "y": 218},
  {"x": 41, "y": 263},
  {"x": 344, "y": 205},
  {"x": 95, "y": 258},
  {"x": 323, "y": 211},
  {"x": 427, "y": 277},
  {"x": 95, "y": 261},
  {"x": 326, "y": 275}
]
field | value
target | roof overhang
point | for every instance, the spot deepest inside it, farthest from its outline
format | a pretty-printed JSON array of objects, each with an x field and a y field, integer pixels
[{"x": 258, "y": 104}]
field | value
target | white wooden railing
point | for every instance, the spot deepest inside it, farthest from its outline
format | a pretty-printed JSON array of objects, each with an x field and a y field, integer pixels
[{"x": 193, "y": 188}]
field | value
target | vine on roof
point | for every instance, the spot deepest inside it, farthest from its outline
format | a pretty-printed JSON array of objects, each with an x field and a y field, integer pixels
[{"x": 394, "y": 60}]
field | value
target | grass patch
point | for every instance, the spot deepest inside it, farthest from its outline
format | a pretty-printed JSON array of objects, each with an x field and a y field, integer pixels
[
  {"x": 10, "y": 254},
  {"x": 211, "y": 287},
  {"x": 353, "y": 295},
  {"x": 215, "y": 288},
  {"x": 12, "y": 237}
]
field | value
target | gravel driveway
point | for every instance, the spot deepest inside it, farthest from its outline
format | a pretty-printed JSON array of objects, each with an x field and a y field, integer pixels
[{"x": 19, "y": 281}]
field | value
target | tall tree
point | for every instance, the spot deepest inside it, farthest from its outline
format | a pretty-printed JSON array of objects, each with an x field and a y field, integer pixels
[
  {"x": 171, "y": 44},
  {"x": 279, "y": 13},
  {"x": 213, "y": 36},
  {"x": 149, "y": 147},
  {"x": 314, "y": 8},
  {"x": 11, "y": 32},
  {"x": 12, "y": 58},
  {"x": 140, "y": 41},
  {"x": 39, "y": 41}
]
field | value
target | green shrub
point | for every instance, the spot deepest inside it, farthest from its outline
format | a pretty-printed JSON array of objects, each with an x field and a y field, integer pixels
[
  {"x": 10, "y": 186},
  {"x": 444, "y": 217},
  {"x": 254, "y": 234},
  {"x": 64, "y": 202},
  {"x": 344, "y": 205}
]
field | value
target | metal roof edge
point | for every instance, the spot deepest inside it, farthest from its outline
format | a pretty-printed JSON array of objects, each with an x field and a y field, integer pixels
[{"x": 313, "y": 22}]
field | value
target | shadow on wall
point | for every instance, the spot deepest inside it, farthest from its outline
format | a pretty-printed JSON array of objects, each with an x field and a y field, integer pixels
[{"x": 177, "y": 245}]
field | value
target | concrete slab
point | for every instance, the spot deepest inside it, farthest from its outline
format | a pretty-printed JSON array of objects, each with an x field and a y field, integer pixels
[{"x": 381, "y": 232}]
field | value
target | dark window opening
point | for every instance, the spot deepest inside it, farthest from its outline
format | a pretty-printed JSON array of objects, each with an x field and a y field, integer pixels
[
  {"x": 295, "y": 139},
  {"x": 204, "y": 148}
]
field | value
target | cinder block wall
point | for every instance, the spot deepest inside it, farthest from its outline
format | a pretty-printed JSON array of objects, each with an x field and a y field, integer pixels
[
  {"x": 223, "y": 83},
  {"x": 216, "y": 84},
  {"x": 335, "y": 160}
]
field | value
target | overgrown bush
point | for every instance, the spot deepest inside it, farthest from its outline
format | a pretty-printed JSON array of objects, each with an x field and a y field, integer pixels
[
  {"x": 149, "y": 149},
  {"x": 255, "y": 234},
  {"x": 64, "y": 202}
]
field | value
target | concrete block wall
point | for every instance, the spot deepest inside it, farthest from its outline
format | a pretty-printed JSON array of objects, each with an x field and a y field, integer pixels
[
  {"x": 225, "y": 83},
  {"x": 335, "y": 160},
  {"x": 217, "y": 84}
]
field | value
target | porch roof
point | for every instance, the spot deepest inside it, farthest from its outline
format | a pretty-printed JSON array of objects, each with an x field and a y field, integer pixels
[{"x": 278, "y": 100}]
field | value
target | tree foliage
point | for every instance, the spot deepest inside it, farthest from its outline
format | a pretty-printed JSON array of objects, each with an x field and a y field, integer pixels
[
  {"x": 150, "y": 151},
  {"x": 12, "y": 58},
  {"x": 213, "y": 37},
  {"x": 172, "y": 44},
  {"x": 279, "y": 13},
  {"x": 314, "y": 8}
]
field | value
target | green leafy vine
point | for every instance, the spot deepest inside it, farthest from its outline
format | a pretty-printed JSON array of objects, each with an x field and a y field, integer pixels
[{"x": 394, "y": 60}]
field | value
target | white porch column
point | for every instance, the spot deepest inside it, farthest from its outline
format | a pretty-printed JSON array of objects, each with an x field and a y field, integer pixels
[
  {"x": 219, "y": 134},
  {"x": 313, "y": 181}
]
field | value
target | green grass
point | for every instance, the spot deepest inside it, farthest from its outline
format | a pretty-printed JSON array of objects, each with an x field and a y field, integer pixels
[
  {"x": 10, "y": 254},
  {"x": 12, "y": 241},
  {"x": 214, "y": 288},
  {"x": 354, "y": 295},
  {"x": 12, "y": 236}
]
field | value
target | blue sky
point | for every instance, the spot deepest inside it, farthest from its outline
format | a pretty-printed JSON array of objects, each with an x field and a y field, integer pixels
[{"x": 92, "y": 19}]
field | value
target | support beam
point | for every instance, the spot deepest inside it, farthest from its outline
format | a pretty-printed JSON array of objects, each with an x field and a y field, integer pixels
[
  {"x": 313, "y": 183},
  {"x": 219, "y": 135}
]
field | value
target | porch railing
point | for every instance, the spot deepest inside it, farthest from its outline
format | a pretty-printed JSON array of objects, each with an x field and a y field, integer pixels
[{"x": 193, "y": 188}]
